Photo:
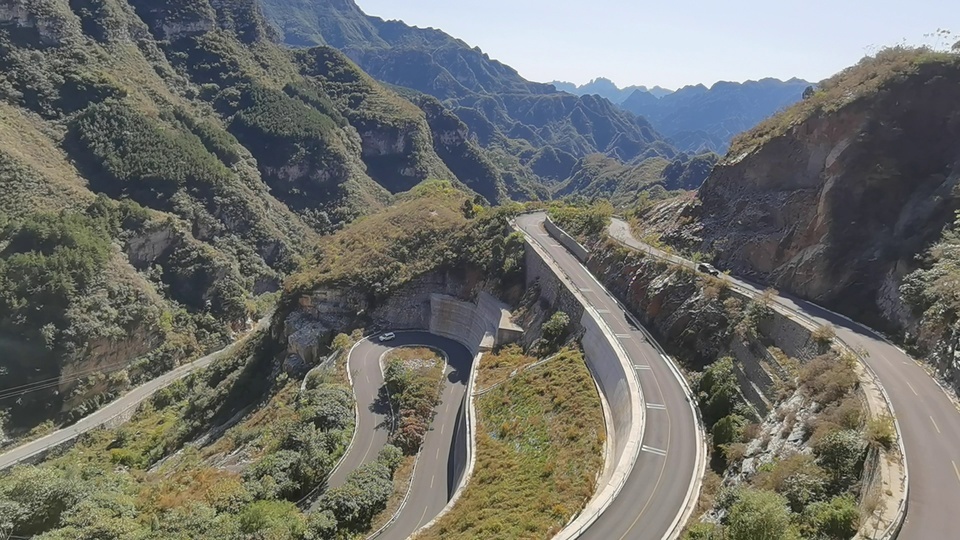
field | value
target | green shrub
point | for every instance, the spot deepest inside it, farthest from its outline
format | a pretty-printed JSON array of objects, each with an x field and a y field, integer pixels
[{"x": 836, "y": 519}]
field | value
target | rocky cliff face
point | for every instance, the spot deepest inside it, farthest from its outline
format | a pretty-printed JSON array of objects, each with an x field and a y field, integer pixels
[{"x": 837, "y": 206}]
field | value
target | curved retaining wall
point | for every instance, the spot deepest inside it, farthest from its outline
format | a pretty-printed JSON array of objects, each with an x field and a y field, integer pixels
[{"x": 613, "y": 373}]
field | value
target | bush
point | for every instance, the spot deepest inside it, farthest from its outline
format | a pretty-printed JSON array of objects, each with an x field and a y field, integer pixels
[
  {"x": 823, "y": 335},
  {"x": 555, "y": 329},
  {"x": 881, "y": 432},
  {"x": 836, "y": 519},
  {"x": 841, "y": 454},
  {"x": 760, "y": 515}
]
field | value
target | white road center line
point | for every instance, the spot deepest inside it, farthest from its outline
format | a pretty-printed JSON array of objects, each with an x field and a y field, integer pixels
[
  {"x": 911, "y": 388},
  {"x": 624, "y": 336},
  {"x": 642, "y": 367},
  {"x": 438, "y": 453},
  {"x": 935, "y": 425},
  {"x": 656, "y": 451},
  {"x": 956, "y": 470},
  {"x": 656, "y": 406},
  {"x": 431, "y": 480},
  {"x": 603, "y": 311}
]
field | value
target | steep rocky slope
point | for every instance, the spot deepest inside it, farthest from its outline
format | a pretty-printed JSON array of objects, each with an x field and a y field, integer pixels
[
  {"x": 835, "y": 199},
  {"x": 164, "y": 165}
]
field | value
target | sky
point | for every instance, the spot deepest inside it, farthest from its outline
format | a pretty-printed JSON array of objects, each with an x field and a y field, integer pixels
[{"x": 673, "y": 43}]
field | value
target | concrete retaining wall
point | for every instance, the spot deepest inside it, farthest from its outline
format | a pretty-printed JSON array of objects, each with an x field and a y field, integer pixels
[
  {"x": 568, "y": 241},
  {"x": 613, "y": 373}
]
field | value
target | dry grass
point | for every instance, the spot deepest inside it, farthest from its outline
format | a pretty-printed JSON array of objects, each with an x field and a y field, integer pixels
[
  {"x": 495, "y": 368},
  {"x": 540, "y": 441},
  {"x": 863, "y": 80}
]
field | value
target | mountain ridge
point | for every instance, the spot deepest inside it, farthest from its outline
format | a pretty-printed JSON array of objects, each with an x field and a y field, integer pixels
[{"x": 505, "y": 112}]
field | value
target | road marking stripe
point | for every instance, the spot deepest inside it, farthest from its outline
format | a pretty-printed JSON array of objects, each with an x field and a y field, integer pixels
[
  {"x": 624, "y": 336},
  {"x": 603, "y": 311},
  {"x": 642, "y": 367},
  {"x": 657, "y": 451},
  {"x": 935, "y": 424},
  {"x": 585, "y": 289},
  {"x": 911, "y": 387},
  {"x": 955, "y": 469},
  {"x": 656, "y": 406},
  {"x": 431, "y": 480},
  {"x": 442, "y": 427},
  {"x": 438, "y": 453}
]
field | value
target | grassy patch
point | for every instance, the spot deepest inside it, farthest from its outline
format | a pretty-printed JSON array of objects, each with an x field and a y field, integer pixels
[
  {"x": 495, "y": 368},
  {"x": 540, "y": 443}
]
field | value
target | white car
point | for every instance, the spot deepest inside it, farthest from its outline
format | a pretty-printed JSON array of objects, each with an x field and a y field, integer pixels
[{"x": 387, "y": 337}]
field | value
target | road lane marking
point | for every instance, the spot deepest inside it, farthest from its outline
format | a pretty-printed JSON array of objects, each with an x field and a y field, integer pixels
[
  {"x": 431, "y": 481},
  {"x": 656, "y": 451},
  {"x": 935, "y": 425},
  {"x": 656, "y": 406},
  {"x": 585, "y": 289},
  {"x": 366, "y": 377},
  {"x": 603, "y": 311},
  {"x": 642, "y": 367},
  {"x": 624, "y": 336},
  {"x": 438, "y": 453},
  {"x": 421, "y": 517},
  {"x": 911, "y": 388},
  {"x": 956, "y": 470},
  {"x": 442, "y": 427}
]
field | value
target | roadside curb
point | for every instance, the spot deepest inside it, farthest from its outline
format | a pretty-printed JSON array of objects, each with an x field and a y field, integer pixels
[{"x": 618, "y": 477}]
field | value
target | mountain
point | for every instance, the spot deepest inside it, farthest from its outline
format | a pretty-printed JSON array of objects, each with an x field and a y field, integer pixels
[
  {"x": 505, "y": 113},
  {"x": 849, "y": 198},
  {"x": 607, "y": 89},
  {"x": 626, "y": 184},
  {"x": 165, "y": 165},
  {"x": 697, "y": 118}
]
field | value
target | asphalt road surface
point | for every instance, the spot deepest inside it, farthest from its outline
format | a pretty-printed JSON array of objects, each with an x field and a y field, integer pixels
[
  {"x": 929, "y": 420},
  {"x": 433, "y": 481},
  {"x": 121, "y": 404},
  {"x": 656, "y": 491}
]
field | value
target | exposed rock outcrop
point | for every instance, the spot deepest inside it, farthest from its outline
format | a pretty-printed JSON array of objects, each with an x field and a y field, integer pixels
[{"x": 837, "y": 206}]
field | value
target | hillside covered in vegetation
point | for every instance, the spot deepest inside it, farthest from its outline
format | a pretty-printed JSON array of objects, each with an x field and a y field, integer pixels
[
  {"x": 165, "y": 165},
  {"x": 533, "y": 126}
]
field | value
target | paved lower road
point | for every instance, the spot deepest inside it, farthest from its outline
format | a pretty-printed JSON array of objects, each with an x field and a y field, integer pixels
[
  {"x": 929, "y": 420},
  {"x": 120, "y": 405},
  {"x": 656, "y": 492},
  {"x": 435, "y": 475}
]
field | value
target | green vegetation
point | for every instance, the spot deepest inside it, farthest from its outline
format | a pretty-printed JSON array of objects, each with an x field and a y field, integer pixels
[
  {"x": 539, "y": 448},
  {"x": 425, "y": 230},
  {"x": 582, "y": 221},
  {"x": 866, "y": 79},
  {"x": 414, "y": 378}
]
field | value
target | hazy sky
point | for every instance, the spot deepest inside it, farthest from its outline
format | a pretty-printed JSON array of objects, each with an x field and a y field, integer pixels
[{"x": 676, "y": 42}]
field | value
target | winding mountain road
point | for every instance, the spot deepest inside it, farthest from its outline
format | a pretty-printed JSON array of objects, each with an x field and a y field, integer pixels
[
  {"x": 929, "y": 420},
  {"x": 119, "y": 406},
  {"x": 434, "y": 479},
  {"x": 656, "y": 493}
]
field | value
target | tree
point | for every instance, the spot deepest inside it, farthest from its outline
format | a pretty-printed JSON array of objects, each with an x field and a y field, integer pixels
[
  {"x": 556, "y": 327},
  {"x": 760, "y": 515}
]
